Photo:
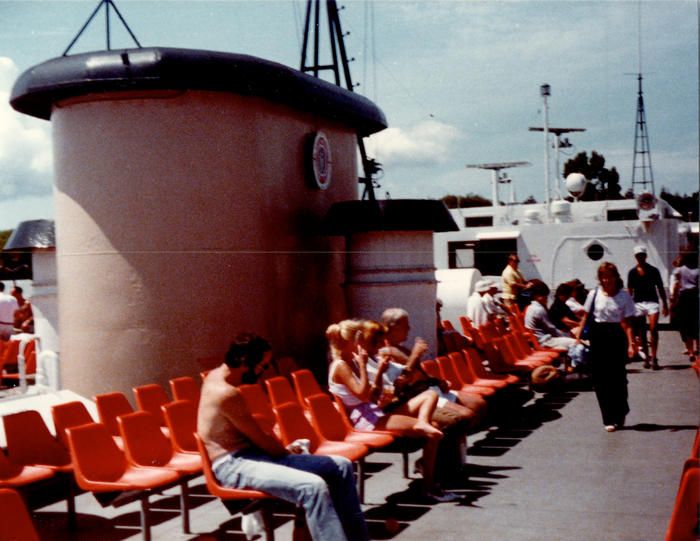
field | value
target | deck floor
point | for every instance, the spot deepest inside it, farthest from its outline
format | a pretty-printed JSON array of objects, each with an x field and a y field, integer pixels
[{"x": 546, "y": 472}]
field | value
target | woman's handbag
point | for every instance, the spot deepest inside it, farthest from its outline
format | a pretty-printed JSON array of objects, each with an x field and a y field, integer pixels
[{"x": 586, "y": 331}]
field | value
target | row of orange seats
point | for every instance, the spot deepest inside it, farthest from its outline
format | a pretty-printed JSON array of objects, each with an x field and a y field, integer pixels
[
  {"x": 9, "y": 358},
  {"x": 512, "y": 351}
]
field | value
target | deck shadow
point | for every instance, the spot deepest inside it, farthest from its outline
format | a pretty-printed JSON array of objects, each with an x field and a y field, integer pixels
[{"x": 653, "y": 427}]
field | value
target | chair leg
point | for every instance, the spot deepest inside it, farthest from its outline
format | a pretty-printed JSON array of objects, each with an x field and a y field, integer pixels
[
  {"x": 70, "y": 504},
  {"x": 267, "y": 522},
  {"x": 185, "y": 506},
  {"x": 145, "y": 519},
  {"x": 404, "y": 454}
]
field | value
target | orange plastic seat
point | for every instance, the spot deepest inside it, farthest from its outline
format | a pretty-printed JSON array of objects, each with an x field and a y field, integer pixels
[
  {"x": 9, "y": 355},
  {"x": 466, "y": 374},
  {"x": 225, "y": 493},
  {"x": 185, "y": 388},
  {"x": 29, "y": 355},
  {"x": 30, "y": 443},
  {"x": 17, "y": 475},
  {"x": 67, "y": 415},
  {"x": 684, "y": 518},
  {"x": 181, "y": 419},
  {"x": 294, "y": 425},
  {"x": 109, "y": 407},
  {"x": 476, "y": 362},
  {"x": 449, "y": 373},
  {"x": 100, "y": 466},
  {"x": 150, "y": 398},
  {"x": 327, "y": 421},
  {"x": 259, "y": 405},
  {"x": 146, "y": 445},
  {"x": 16, "y": 523},
  {"x": 280, "y": 391},
  {"x": 305, "y": 385}
]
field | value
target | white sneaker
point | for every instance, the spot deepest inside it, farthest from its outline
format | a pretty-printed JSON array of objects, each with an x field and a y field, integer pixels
[
  {"x": 442, "y": 496},
  {"x": 610, "y": 428}
]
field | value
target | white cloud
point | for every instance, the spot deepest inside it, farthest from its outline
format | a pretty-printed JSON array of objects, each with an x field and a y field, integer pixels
[
  {"x": 427, "y": 143},
  {"x": 25, "y": 145}
]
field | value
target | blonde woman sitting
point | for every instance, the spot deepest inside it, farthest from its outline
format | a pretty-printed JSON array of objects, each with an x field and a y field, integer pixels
[{"x": 352, "y": 343}]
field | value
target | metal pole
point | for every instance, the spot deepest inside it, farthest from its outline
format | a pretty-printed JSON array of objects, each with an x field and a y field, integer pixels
[
  {"x": 494, "y": 187},
  {"x": 545, "y": 92}
]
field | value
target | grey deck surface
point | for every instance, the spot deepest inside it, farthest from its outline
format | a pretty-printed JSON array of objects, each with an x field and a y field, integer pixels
[{"x": 546, "y": 472}]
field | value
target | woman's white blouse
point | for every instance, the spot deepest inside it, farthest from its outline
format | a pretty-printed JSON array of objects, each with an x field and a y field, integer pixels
[{"x": 610, "y": 309}]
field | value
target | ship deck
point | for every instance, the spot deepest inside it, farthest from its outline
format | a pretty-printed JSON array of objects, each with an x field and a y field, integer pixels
[{"x": 546, "y": 471}]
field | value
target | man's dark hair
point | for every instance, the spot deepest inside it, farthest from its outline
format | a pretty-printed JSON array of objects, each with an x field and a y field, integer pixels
[
  {"x": 247, "y": 349},
  {"x": 537, "y": 287}
]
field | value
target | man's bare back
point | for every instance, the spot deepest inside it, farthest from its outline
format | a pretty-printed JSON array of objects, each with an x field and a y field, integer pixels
[{"x": 224, "y": 422}]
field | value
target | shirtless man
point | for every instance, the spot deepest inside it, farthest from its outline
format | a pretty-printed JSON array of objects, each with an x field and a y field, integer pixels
[{"x": 244, "y": 456}]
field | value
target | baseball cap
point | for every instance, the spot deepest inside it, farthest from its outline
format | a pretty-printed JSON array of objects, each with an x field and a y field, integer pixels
[{"x": 640, "y": 250}]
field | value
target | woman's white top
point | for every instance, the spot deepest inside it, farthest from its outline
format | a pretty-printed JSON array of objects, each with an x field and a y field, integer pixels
[
  {"x": 610, "y": 309},
  {"x": 347, "y": 397},
  {"x": 687, "y": 277}
]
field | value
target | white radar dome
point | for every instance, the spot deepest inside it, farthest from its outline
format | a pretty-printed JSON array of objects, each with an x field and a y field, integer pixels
[{"x": 576, "y": 184}]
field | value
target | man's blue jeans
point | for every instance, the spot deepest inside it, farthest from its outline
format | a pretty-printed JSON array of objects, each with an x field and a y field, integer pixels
[{"x": 323, "y": 485}]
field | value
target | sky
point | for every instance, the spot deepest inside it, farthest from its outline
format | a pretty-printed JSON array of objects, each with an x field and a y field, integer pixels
[{"x": 458, "y": 80}]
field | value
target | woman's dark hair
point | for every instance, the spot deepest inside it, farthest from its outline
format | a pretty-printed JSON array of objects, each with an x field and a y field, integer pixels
[
  {"x": 537, "y": 287},
  {"x": 564, "y": 290},
  {"x": 247, "y": 349}
]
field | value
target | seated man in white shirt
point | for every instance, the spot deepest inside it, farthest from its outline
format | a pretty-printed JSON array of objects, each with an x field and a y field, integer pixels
[
  {"x": 477, "y": 310},
  {"x": 537, "y": 321}
]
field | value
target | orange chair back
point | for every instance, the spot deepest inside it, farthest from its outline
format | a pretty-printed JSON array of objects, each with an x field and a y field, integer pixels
[
  {"x": 10, "y": 353},
  {"x": 109, "y": 407},
  {"x": 464, "y": 371},
  {"x": 67, "y": 415},
  {"x": 17, "y": 523},
  {"x": 466, "y": 324},
  {"x": 181, "y": 420},
  {"x": 305, "y": 385},
  {"x": 150, "y": 398},
  {"x": 684, "y": 518},
  {"x": 447, "y": 325},
  {"x": 325, "y": 418},
  {"x": 431, "y": 368},
  {"x": 30, "y": 442},
  {"x": 280, "y": 391},
  {"x": 144, "y": 442},
  {"x": 259, "y": 405},
  {"x": 185, "y": 388},
  {"x": 95, "y": 455},
  {"x": 448, "y": 372},
  {"x": 294, "y": 425}
]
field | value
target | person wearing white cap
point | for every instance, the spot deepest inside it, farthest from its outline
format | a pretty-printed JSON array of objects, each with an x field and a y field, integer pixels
[
  {"x": 477, "y": 310},
  {"x": 645, "y": 285}
]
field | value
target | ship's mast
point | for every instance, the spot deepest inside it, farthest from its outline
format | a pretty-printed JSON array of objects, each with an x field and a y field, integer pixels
[
  {"x": 339, "y": 60},
  {"x": 642, "y": 152}
]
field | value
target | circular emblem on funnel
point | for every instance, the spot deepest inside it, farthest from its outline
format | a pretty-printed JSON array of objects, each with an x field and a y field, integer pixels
[{"x": 321, "y": 161}]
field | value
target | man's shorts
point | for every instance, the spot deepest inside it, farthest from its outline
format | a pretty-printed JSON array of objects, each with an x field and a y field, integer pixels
[{"x": 647, "y": 308}]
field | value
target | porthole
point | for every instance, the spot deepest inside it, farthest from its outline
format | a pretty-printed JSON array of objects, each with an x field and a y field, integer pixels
[{"x": 595, "y": 251}]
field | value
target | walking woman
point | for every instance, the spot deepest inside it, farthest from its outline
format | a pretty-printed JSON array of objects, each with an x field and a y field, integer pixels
[
  {"x": 609, "y": 309},
  {"x": 684, "y": 302}
]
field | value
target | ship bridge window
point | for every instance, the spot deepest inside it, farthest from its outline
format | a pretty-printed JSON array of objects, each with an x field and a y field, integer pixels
[
  {"x": 617, "y": 215},
  {"x": 595, "y": 251},
  {"x": 461, "y": 254},
  {"x": 478, "y": 221}
]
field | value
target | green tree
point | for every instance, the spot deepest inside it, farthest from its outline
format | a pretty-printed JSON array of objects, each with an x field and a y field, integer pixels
[
  {"x": 4, "y": 235},
  {"x": 603, "y": 183},
  {"x": 465, "y": 201}
]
